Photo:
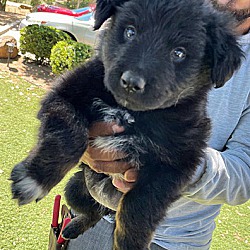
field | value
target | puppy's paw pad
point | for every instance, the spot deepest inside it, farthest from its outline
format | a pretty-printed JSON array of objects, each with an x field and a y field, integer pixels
[{"x": 24, "y": 188}]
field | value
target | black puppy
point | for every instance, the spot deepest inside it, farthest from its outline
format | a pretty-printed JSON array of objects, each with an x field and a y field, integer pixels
[{"x": 158, "y": 59}]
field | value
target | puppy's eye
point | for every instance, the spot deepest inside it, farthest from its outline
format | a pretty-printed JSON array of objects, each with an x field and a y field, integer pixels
[
  {"x": 178, "y": 54},
  {"x": 130, "y": 32}
]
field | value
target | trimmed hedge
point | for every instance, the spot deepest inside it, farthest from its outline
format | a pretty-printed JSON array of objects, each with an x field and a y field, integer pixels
[
  {"x": 39, "y": 40},
  {"x": 66, "y": 55}
]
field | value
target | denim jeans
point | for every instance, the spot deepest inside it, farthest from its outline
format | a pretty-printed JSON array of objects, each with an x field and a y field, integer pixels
[{"x": 100, "y": 237}]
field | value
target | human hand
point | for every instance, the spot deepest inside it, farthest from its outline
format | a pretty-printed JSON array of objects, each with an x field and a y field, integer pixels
[{"x": 109, "y": 162}]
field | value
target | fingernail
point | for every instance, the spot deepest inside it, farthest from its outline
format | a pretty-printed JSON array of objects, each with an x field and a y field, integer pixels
[
  {"x": 131, "y": 175},
  {"x": 117, "y": 129}
]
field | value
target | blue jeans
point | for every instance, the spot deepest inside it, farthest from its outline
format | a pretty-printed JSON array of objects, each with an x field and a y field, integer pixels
[{"x": 100, "y": 237}]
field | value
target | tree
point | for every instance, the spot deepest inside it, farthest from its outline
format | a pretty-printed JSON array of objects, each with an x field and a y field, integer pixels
[
  {"x": 34, "y": 2},
  {"x": 78, "y": 4},
  {"x": 3, "y": 4}
]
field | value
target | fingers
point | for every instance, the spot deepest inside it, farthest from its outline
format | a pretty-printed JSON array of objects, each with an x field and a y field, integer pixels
[
  {"x": 131, "y": 175},
  {"x": 110, "y": 167},
  {"x": 109, "y": 162},
  {"x": 124, "y": 185},
  {"x": 104, "y": 129},
  {"x": 100, "y": 155}
]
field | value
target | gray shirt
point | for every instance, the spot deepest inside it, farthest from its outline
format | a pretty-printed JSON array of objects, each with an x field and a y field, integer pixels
[{"x": 224, "y": 176}]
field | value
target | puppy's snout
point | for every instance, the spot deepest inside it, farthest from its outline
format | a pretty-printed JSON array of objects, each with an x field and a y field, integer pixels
[{"x": 132, "y": 82}]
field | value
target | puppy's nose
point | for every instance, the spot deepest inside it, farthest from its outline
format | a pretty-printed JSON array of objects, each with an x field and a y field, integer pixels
[{"x": 132, "y": 82}]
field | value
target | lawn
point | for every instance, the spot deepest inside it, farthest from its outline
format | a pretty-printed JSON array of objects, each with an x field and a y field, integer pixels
[{"x": 27, "y": 227}]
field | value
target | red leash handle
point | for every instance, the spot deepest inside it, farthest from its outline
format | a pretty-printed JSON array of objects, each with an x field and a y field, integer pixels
[
  {"x": 60, "y": 239},
  {"x": 56, "y": 210}
]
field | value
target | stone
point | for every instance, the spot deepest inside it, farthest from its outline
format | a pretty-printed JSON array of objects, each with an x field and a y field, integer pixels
[{"x": 4, "y": 47}]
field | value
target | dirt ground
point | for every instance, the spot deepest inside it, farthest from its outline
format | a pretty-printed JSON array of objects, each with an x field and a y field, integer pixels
[
  {"x": 27, "y": 69},
  {"x": 8, "y": 17}
]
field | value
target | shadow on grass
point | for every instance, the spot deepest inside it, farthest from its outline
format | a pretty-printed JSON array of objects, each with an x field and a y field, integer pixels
[{"x": 13, "y": 70}]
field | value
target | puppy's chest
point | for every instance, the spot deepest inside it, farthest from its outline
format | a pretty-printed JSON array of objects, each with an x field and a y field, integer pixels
[{"x": 145, "y": 132}]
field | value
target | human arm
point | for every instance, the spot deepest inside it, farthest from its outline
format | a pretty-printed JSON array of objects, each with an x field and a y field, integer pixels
[{"x": 224, "y": 177}]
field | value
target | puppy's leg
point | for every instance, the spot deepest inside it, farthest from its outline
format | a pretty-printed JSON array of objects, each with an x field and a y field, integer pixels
[
  {"x": 62, "y": 141},
  {"x": 90, "y": 212},
  {"x": 101, "y": 189},
  {"x": 142, "y": 208}
]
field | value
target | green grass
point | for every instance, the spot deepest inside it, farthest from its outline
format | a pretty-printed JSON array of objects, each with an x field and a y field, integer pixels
[
  {"x": 233, "y": 228},
  {"x": 27, "y": 227}
]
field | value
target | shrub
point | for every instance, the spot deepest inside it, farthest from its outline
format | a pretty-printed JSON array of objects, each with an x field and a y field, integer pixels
[
  {"x": 66, "y": 55},
  {"x": 39, "y": 40},
  {"x": 74, "y": 4}
]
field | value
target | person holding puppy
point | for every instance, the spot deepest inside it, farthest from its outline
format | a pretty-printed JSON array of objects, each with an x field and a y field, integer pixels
[{"x": 223, "y": 178}]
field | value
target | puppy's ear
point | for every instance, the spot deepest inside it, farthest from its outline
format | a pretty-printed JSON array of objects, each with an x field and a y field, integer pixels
[
  {"x": 222, "y": 48},
  {"x": 104, "y": 10}
]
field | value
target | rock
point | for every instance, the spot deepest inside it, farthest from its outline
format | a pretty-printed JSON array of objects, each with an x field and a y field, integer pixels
[{"x": 4, "y": 47}]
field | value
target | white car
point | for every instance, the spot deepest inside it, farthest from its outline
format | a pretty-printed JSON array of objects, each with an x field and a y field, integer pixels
[{"x": 79, "y": 28}]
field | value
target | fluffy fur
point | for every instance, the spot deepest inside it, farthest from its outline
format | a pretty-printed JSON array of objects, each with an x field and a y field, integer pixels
[{"x": 157, "y": 61}]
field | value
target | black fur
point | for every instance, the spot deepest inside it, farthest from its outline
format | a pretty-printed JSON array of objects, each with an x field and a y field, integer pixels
[{"x": 158, "y": 60}]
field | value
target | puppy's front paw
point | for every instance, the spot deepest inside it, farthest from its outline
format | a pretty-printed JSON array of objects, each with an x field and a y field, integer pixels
[
  {"x": 79, "y": 225},
  {"x": 110, "y": 114},
  {"x": 23, "y": 187},
  {"x": 73, "y": 229}
]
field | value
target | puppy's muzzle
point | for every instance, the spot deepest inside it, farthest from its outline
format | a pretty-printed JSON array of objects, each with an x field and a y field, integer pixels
[{"x": 132, "y": 82}]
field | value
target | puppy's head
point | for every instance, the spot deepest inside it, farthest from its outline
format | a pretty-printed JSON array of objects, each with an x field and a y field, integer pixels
[{"x": 158, "y": 53}]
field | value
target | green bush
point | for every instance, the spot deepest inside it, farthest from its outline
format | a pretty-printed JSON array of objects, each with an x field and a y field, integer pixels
[
  {"x": 73, "y": 3},
  {"x": 85, "y": 3},
  {"x": 39, "y": 40},
  {"x": 66, "y": 55}
]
